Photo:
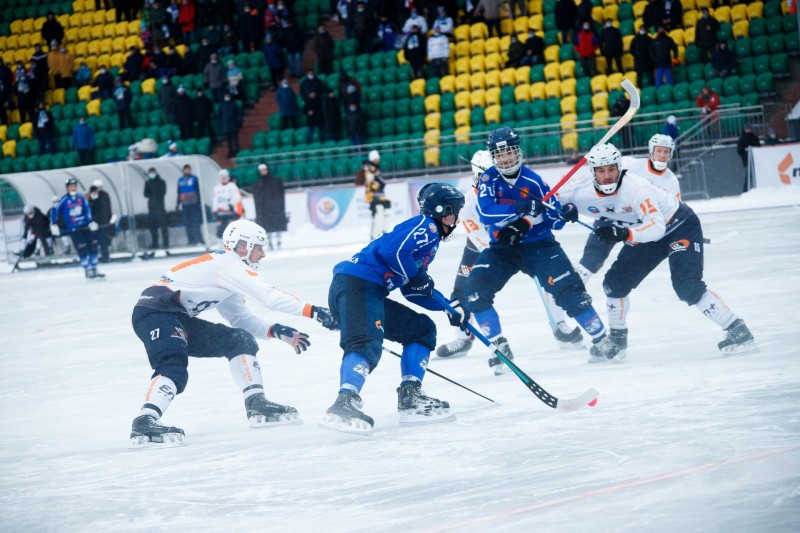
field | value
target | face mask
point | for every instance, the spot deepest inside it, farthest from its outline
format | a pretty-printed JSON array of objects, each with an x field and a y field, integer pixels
[
  {"x": 73, "y": 193},
  {"x": 642, "y": 32},
  {"x": 585, "y": 26},
  {"x": 321, "y": 32},
  {"x": 608, "y": 24},
  {"x": 94, "y": 196},
  {"x": 530, "y": 36},
  {"x": 310, "y": 76},
  {"x": 227, "y": 99},
  {"x": 151, "y": 175}
]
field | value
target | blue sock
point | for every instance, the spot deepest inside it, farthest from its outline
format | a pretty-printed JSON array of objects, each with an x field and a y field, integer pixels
[
  {"x": 353, "y": 372},
  {"x": 414, "y": 360},
  {"x": 489, "y": 323},
  {"x": 591, "y": 323}
]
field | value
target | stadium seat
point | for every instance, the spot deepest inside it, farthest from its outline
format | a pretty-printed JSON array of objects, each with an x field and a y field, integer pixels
[
  {"x": 492, "y": 114},
  {"x": 478, "y": 30},
  {"x": 10, "y": 148},
  {"x": 601, "y": 119},
  {"x": 493, "y": 62},
  {"x": 567, "y": 69},
  {"x": 462, "y": 82},
  {"x": 741, "y": 29},
  {"x": 584, "y": 103},
  {"x": 569, "y": 141},
  {"x": 461, "y": 33},
  {"x": 538, "y": 91},
  {"x": 569, "y": 105},
  {"x": 417, "y": 87},
  {"x": 599, "y": 102},
  {"x": 507, "y": 77},
  {"x": 462, "y": 100},
  {"x": 568, "y": 121},
  {"x": 766, "y": 83},
  {"x": 493, "y": 79},
  {"x": 552, "y": 71},
  {"x": 477, "y": 81},
  {"x": 551, "y": 54},
  {"x": 522, "y": 93},
  {"x": 492, "y": 96},
  {"x": 569, "y": 87},
  {"x": 553, "y": 89},
  {"x": 462, "y": 118},
  {"x": 432, "y": 103},
  {"x": 599, "y": 84}
]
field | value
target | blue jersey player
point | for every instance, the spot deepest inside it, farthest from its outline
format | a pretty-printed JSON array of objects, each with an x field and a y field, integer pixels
[
  {"x": 521, "y": 239},
  {"x": 72, "y": 216},
  {"x": 358, "y": 299}
]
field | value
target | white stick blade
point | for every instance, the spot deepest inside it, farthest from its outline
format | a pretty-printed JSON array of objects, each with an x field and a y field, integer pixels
[{"x": 633, "y": 93}]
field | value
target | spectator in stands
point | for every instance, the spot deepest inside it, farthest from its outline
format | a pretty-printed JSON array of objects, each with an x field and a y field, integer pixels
[
  {"x": 323, "y": 48},
  {"x": 83, "y": 141},
  {"x": 516, "y": 52},
  {"x": 511, "y": 4},
  {"x": 189, "y": 204},
  {"x": 52, "y": 30},
  {"x": 312, "y": 91},
  {"x": 248, "y": 24},
  {"x": 158, "y": 22},
  {"x": 183, "y": 108},
  {"x": 490, "y": 11},
  {"x": 229, "y": 40},
  {"x": 172, "y": 151},
  {"x": 202, "y": 109},
  {"x": 584, "y": 14},
  {"x": 332, "y": 112},
  {"x": 534, "y": 50},
  {"x": 174, "y": 62},
  {"x": 566, "y": 14},
  {"x": 287, "y": 105},
  {"x": 273, "y": 56},
  {"x": 671, "y": 14},
  {"x": 155, "y": 189},
  {"x": 724, "y": 62},
  {"x": 354, "y": 120},
  {"x": 23, "y": 89},
  {"x": 343, "y": 8},
  {"x": 123, "y": 97},
  {"x": 186, "y": 19},
  {"x": 363, "y": 27},
  {"x": 158, "y": 62},
  {"x": 705, "y": 32},
  {"x": 611, "y": 47},
  {"x": 414, "y": 50},
  {"x": 214, "y": 77},
  {"x": 132, "y": 69},
  {"x": 387, "y": 34},
  {"x": 83, "y": 76},
  {"x": 61, "y": 64},
  {"x": 230, "y": 122},
  {"x": 294, "y": 43},
  {"x": 269, "y": 198},
  {"x": 586, "y": 42},
  {"x": 746, "y": 140},
  {"x": 444, "y": 22},
  {"x": 204, "y": 52},
  {"x": 663, "y": 50},
  {"x": 651, "y": 17},
  {"x": 771, "y": 138},
  {"x": 100, "y": 203},
  {"x": 6, "y": 91},
  {"x": 349, "y": 89},
  {"x": 415, "y": 19},
  {"x": 190, "y": 63},
  {"x": 45, "y": 128},
  {"x": 642, "y": 60},
  {"x": 707, "y": 101},
  {"x": 41, "y": 72},
  {"x": 672, "y": 129},
  {"x": 104, "y": 83},
  {"x": 439, "y": 53},
  {"x": 166, "y": 97}
]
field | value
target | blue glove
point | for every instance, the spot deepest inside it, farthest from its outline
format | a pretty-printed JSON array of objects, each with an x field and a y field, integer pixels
[
  {"x": 613, "y": 234},
  {"x": 296, "y": 339},
  {"x": 421, "y": 284},
  {"x": 460, "y": 318},
  {"x": 528, "y": 206},
  {"x": 324, "y": 317},
  {"x": 513, "y": 233},
  {"x": 569, "y": 213}
]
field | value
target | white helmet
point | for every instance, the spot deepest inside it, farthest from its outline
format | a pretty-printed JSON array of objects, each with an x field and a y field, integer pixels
[
  {"x": 374, "y": 156},
  {"x": 223, "y": 173},
  {"x": 481, "y": 162},
  {"x": 600, "y": 156},
  {"x": 244, "y": 230},
  {"x": 661, "y": 140}
]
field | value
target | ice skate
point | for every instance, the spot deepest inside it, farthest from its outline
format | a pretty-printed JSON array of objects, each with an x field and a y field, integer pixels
[
  {"x": 605, "y": 349},
  {"x": 620, "y": 338},
  {"x": 147, "y": 432},
  {"x": 495, "y": 363},
  {"x": 92, "y": 273},
  {"x": 455, "y": 348},
  {"x": 416, "y": 408},
  {"x": 738, "y": 339},
  {"x": 345, "y": 415},
  {"x": 568, "y": 339},
  {"x": 264, "y": 413}
]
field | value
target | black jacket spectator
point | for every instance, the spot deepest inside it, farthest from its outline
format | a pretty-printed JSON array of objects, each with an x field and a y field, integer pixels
[
  {"x": 652, "y": 14},
  {"x": 415, "y": 50},
  {"x": 662, "y": 50},
  {"x": 585, "y": 11},
  {"x": 230, "y": 116},
  {"x": 354, "y": 121},
  {"x": 671, "y": 14},
  {"x": 293, "y": 39},
  {"x": 746, "y": 140},
  {"x": 45, "y": 128},
  {"x": 566, "y": 14},
  {"x": 133, "y": 64},
  {"x": 534, "y": 50},
  {"x": 640, "y": 49},
  {"x": 202, "y": 109},
  {"x": 204, "y": 52},
  {"x": 349, "y": 90},
  {"x": 166, "y": 97},
  {"x": 52, "y": 30},
  {"x": 249, "y": 24},
  {"x": 155, "y": 189},
  {"x": 104, "y": 82},
  {"x": 184, "y": 113},
  {"x": 123, "y": 98},
  {"x": 724, "y": 61},
  {"x": 323, "y": 48},
  {"x": 332, "y": 111},
  {"x": 611, "y": 46},
  {"x": 270, "y": 203}
]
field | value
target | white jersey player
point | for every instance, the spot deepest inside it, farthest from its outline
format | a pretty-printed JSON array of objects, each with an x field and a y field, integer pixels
[
  {"x": 657, "y": 226},
  {"x": 477, "y": 241},
  {"x": 165, "y": 320},
  {"x": 227, "y": 205}
]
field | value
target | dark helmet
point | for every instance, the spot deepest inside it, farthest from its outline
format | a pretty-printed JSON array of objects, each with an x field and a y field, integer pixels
[
  {"x": 70, "y": 181},
  {"x": 440, "y": 200},
  {"x": 503, "y": 144}
]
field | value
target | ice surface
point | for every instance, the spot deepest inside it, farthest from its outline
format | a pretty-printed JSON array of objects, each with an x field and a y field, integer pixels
[{"x": 681, "y": 439}]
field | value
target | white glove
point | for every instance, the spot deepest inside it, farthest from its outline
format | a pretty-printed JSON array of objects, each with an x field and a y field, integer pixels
[
  {"x": 113, "y": 219},
  {"x": 93, "y": 226},
  {"x": 55, "y": 230}
]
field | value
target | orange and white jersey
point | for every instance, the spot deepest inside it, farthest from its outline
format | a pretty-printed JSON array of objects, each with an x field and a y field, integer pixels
[
  {"x": 642, "y": 207},
  {"x": 221, "y": 280},
  {"x": 227, "y": 198},
  {"x": 664, "y": 179},
  {"x": 468, "y": 216}
]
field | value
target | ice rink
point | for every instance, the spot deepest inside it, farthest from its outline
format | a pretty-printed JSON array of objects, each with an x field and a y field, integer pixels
[{"x": 681, "y": 439}]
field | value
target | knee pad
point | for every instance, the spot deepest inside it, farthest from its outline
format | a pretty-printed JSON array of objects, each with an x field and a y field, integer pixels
[
  {"x": 422, "y": 331},
  {"x": 615, "y": 292},
  {"x": 176, "y": 372},
  {"x": 573, "y": 300},
  {"x": 241, "y": 342},
  {"x": 689, "y": 290}
]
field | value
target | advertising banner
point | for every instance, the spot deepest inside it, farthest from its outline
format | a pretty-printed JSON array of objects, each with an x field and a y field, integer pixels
[{"x": 776, "y": 166}]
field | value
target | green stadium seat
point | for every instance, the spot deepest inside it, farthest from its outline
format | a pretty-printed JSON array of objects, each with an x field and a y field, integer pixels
[
  {"x": 774, "y": 25},
  {"x": 625, "y": 11},
  {"x": 648, "y": 97},
  {"x": 432, "y": 86},
  {"x": 626, "y": 27},
  {"x": 758, "y": 27},
  {"x": 716, "y": 85},
  {"x": 447, "y": 102},
  {"x": 779, "y": 64},
  {"x": 71, "y": 95},
  {"x": 760, "y": 45},
  {"x": 692, "y": 54},
  {"x": 725, "y": 32},
  {"x": 552, "y": 109},
  {"x": 695, "y": 87},
  {"x": 417, "y": 106},
  {"x": 748, "y": 84},
  {"x": 448, "y": 121},
  {"x": 750, "y": 99},
  {"x": 584, "y": 104},
  {"x": 664, "y": 94},
  {"x": 731, "y": 86},
  {"x": 743, "y": 47},
  {"x": 680, "y": 92},
  {"x": 508, "y": 113},
  {"x": 387, "y": 127},
  {"x": 537, "y": 73},
  {"x": 403, "y": 125},
  {"x": 772, "y": 9},
  {"x": 697, "y": 72},
  {"x": 761, "y": 65},
  {"x": 507, "y": 95},
  {"x": 549, "y": 22},
  {"x": 522, "y": 112},
  {"x": 566, "y": 52},
  {"x": 790, "y": 23},
  {"x": 362, "y": 63},
  {"x": 746, "y": 66}
]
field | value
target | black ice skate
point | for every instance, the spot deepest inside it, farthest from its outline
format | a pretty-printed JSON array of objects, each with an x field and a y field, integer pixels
[
  {"x": 738, "y": 339},
  {"x": 568, "y": 339},
  {"x": 264, "y": 413},
  {"x": 148, "y": 432},
  {"x": 345, "y": 415},
  {"x": 92, "y": 273},
  {"x": 455, "y": 348},
  {"x": 416, "y": 408},
  {"x": 495, "y": 363},
  {"x": 606, "y": 349}
]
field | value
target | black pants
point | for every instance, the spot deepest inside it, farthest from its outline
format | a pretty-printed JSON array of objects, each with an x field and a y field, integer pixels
[
  {"x": 156, "y": 222},
  {"x": 233, "y": 143}
]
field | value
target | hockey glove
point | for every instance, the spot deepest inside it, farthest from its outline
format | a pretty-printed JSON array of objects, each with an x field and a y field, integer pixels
[
  {"x": 55, "y": 230},
  {"x": 93, "y": 226},
  {"x": 613, "y": 234},
  {"x": 421, "y": 284},
  {"x": 532, "y": 207},
  {"x": 513, "y": 233},
  {"x": 460, "y": 317},
  {"x": 324, "y": 317},
  {"x": 296, "y": 339},
  {"x": 569, "y": 213}
]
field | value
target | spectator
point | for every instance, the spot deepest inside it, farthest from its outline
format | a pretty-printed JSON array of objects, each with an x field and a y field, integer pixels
[
  {"x": 414, "y": 50},
  {"x": 23, "y": 88},
  {"x": 415, "y": 19},
  {"x": 173, "y": 28},
  {"x": 189, "y": 205},
  {"x": 705, "y": 32},
  {"x": 172, "y": 151},
  {"x": 516, "y": 52},
  {"x": 342, "y": 12},
  {"x": 619, "y": 108},
  {"x": 586, "y": 44},
  {"x": 214, "y": 78},
  {"x": 100, "y": 202},
  {"x": 771, "y": 139},
  {"x": 444, "y": 22},
  {"x": 724, "y": 62},
  {"x": 349, "y": 89},
  {"x": 584, "y": 13},
  {"x": 123, "y": 98},
  {"x": 41, "y": 72},
  {"x": 229, "y": 40},
  {"x": 708, "y": 102},
  {"x": 52, "y": 30},
  {"x": 204, "y": 52},
  {"x": 611, "y": 46},
  {"x": 184, "y": 113},
  {"x": 45, "y": 128},
  {"x": 642, "y": 60},
  {"x": 523, "y": 11},
  {"x": 387, "y": 34},
  {"x": 189, "y": 64},
  {"x": 490, "y": 12},
  {"x": 287, "y": 105},
  {"x": 294, "y": 43},
  {"x": 439, "y": 53},
  {"x": 534, "y": 50},
  {"x": 166, "y": 97},
  {"x": 6, "y": 91},
  {"x": 312, "y": 91},
  {"x": 83, "y": 141},
  {"x": 186, "y": 19},
  {"x": 230, "y": 122},
  {"x": 155, "y": 189},
  {"x": 354, "y": 121},
  {"x": 158, "y": 23},
  {"x": 651, "y": 17},
  {"x": 323, "y": 48},
  {"x": 83, "y": 76},
  {"x": 663, "y": 50},
  {"x": 672, "y": 129},
  {"x": 248, "y": 24},
  {"x": 671, "y": 14},
  {"x": 174, "y": 62},
  {"x": 235, "y": 81},
  {"x": 158, "y": 63},
  {"x": 61, "y": 64},
  {"x": 269, "y": 198},
  {"x": 104, "y": 82},
  {"x": 566, "y": 14},
  {"x": 363, "y": 27},
  {"x": 202, "y": 109},
  {"x": 227, "y": 205},
  {"x": 273, "y": 56},
  {"x": 332, "y": 111},
  {"x": 36, "y": 229},
  {"x": 746, "y": 140},
  {"x": 132, "y": 69}
]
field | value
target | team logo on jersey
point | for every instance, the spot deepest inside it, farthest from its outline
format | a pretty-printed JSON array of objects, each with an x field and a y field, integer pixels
[
  {"x": 165, "y": 279},
  {"x": 610, "y": 209},
  {"x": 593, "y": 209},
  {"x": 552, "y": 281},
  {"x": 432, "y": 228},
  {"x": 679, "y": 246},
  {"x": 627, "y": 209},
  {"x": 378, "y": 325},
  {"x": 484, "y": 178},
  {"x": 179, "y": 333}
]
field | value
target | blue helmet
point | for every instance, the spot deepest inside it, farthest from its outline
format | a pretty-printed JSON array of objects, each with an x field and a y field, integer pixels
[
  {"x": 503, "y": 144},
  {"x": 438, "y": 200}
]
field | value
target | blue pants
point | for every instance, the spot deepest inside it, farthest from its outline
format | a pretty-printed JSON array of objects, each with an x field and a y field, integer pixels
[
  {"x": 85, "y": 243},
  {"x": 663, "y": 75},
  {"x": 366, "y": 316},
  {"x": 192, "y": 219}
]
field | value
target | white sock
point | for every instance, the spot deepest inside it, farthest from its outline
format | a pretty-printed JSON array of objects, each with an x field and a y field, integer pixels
[
  {"x": 714, "y": 308},
  {"x": 617, "y": 312},
  {"x": 247, "y": 374},
  {"x": 583, "y": 273},
  {"x": 159, "y": 396}
]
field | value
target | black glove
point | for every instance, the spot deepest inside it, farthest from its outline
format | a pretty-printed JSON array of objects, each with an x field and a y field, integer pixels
[
  {"x": 613, "y": 234},
  {"x": 513, "y": 233},
  {"x": 532, "y": 207},
  {"x": 296, "y": 339},
  {"x": 460, "y": 317},
  {"x": 324, "y": 317},
  {"x": 569, "y": 213},
  {"x": 421, "y": 284}
]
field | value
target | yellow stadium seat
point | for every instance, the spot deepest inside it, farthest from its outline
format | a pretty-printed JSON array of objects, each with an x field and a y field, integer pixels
[
  {"x": 609, "y": 3},
  {"x": 477, "y": 98},
  {"x": 93, "y": 48},
  {"x": 493, "y": 96},
  {"x": 149, "y": 86},
  {"x": 569, "y": 87},
  {"x": 567, "y": 69},
  {"x": 81, "y": 49},
  {"x": 689, "y": 4},
  {"x": 493, "y": 62},
  {"x": 521, "y": 24},
  {"x": 462, "y": 83},
  {"x": 85, "y": 93},
  {"x": 677, "y": 36},
  {"x": 538, "y": 91},
  {"x": 522, "y": 74},
  {"x": 16, "y": 27},
  {"x": 26, "y": 130},
  {"x": 109, "y": 31},
  {"x": 599, "y": 102},
  {"x": 27, "y": 25},
  {"x": 10, "y": 148},
  {"x": 738, "y": 12},
  {"x": 688, "y": 36},
  {"x": 522, "y": 93},
  {"x": 96, "y": 32},
  {"x": 491, "y": 45},
  {"x": 432, "y": 121},
  {"x": 597, "y": 14},
  {"x": 22, "y": 54},
  {"x": 59, "y": 96},
  {"x": 638, "y": 8},
  {"x": 13, "y": 117},
  {"x": 632, "y": 77},
  {"x": 104, "y": 60},
  {"x": 682, "y": 55},
  {"x": 600, "y": 62},
  {"x": 493, "y": 79},
  {"x": 536, "y": 22},
  {"x": 741, "y": 29},
  {"x": 492, "y": 114},
  {"x": 432, "y": 137},
  {"x": 611, "y": 12},
  {"x": 600, "y": 119},
  {"x": 462, "y": 134},
  {"x": 462, "y": 101},
  {"x": 637, "y": 24},
  {"x": 3, "y": 133},
  {"x": 552, "y": 71},
  {"x": 569, "y": 141},
  {"x": 72, "y": 35},
  {"x": 133, "y": 27},
  {"x": 432, "y": 102},
  {"x": 461, "y": 33},
  {"x": 106, "y": 46},
  {"x": 87, "y": 19},
  {"x": 506, "y": 26},
  {"x": 63, "y": 20},
  {"x": 553, "y": 89},
  {"x": 505, "y": 41},
  {"x": 77, "y": 6},
  {"x": 599, "y": 84},
  {"x": 8, "y": 57},
  {"x": 75, "y": 20},
  {"x": 534, "y": 7},
  {"x": 476, "y": 64},
  {"x": 117, "y": 60},
  {"x": 462, "y": 49},
  {"x": 136, "y": 41},
  {"x": 626, "y": 42},
  {"x": 93, "y": 107},
  {"x": 431, "y": 155},
  {"x": 508, "y": 77},
  {"x": 569, "y": 104},
  {"x": 462, "y": 118},
  {"x": 121, "y": 29},
  {"x": 111, "y": 15},
  {"x": 24, "y": 40},
  {"x": 568, "y": 121},
  {"x": 627, "y": 62},
  {"x": 699, "y": 4},
  {"x": 477, "y": 81},
  {"x": 12, "y": 42},
  {"x": 551, "y": 54},
  {"x": 3, "y": 42},
  {"x": 462, "y": 66},
  {"x": 613, "y": 82},
  {"x": 478, "y": 31},
  {"x": 417, "y": 87},
  {"x": 99, "y": 16},
  {"x": 447, "y": 84},
  {"x": 118, "y": 45}
]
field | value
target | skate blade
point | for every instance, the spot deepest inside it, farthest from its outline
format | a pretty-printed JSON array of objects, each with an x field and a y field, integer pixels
[
  {"x": 286, "y": 419},
  {"x": 571, "y": 346},
  {"x": 454, "y": 355},
  {"x": 501, "y": 370},
  {"x": 355, "y": 426},
  {"x": 740, "y": 349},
  {"x": 617, "y": 359},
  {"x": 414, "y": 418},
  {"x": 170, "y": 440}
]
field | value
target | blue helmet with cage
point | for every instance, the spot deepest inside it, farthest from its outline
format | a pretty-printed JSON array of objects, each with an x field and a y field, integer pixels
[
  {"x": 440, "y": 200},
  {"x": 504, "y": 146}
]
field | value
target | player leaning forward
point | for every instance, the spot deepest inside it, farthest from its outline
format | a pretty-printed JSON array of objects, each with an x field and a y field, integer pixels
[
  {"x": 165, "y": 319},
  {"x": 657, "y": 226}
]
